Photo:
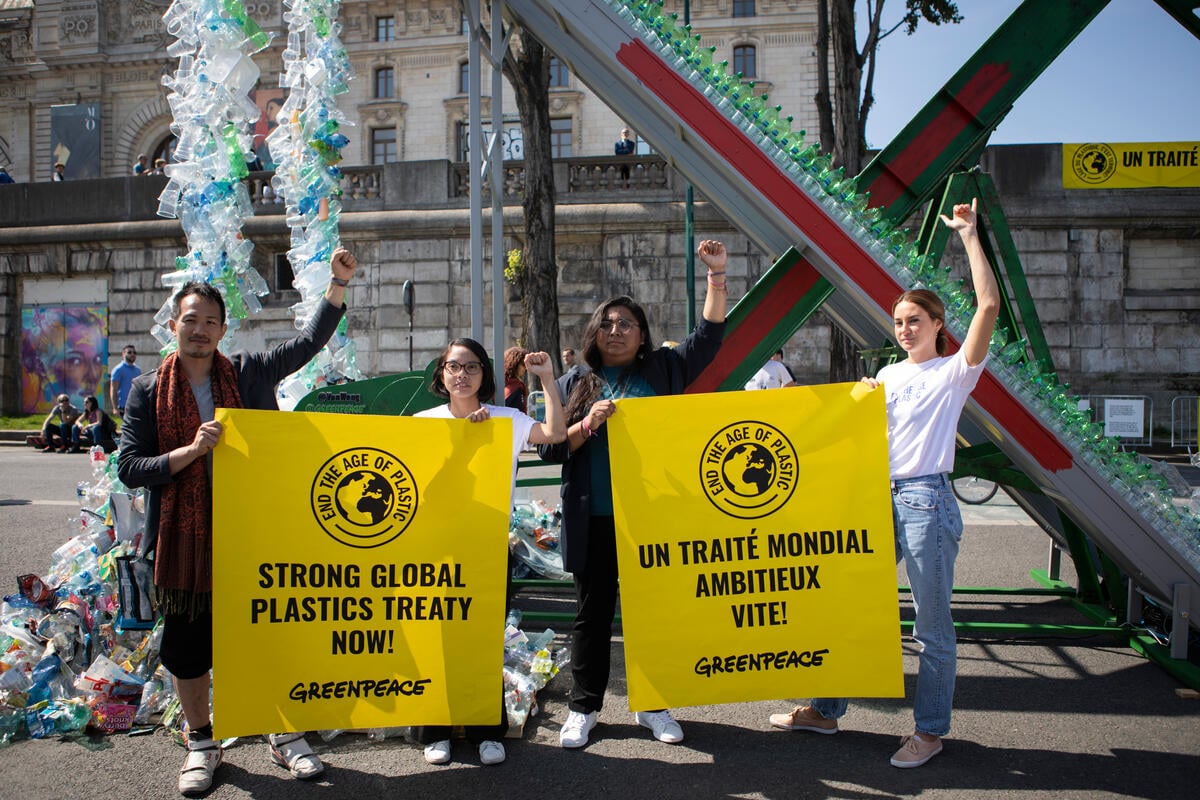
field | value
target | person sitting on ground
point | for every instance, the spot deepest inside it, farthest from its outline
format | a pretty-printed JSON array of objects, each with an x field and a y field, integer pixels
[
  {"x": 58, "y": 424},
  {"x": 514, "y": 377},
  {"x": 92, "y": 427}
]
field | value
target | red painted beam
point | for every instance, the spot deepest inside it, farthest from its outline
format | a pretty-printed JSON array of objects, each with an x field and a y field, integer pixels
[{"x": 736, "y": 149}]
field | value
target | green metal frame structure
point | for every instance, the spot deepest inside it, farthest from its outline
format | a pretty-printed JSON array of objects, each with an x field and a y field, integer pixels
[{"x": 936, "y": 153}]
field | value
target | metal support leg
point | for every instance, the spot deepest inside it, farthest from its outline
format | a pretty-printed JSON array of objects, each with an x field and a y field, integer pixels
[
  {"x": 1054, "y": 563},
  {"x": 1133, "y": 605},
  {"x": 1180, "y": 629}
]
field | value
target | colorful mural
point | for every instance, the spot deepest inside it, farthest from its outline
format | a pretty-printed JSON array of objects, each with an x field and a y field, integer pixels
[{"x": 64, "y": 350}]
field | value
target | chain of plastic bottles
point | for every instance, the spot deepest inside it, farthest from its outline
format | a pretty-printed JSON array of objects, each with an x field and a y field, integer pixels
[
  {"x": 1140, "y": 481},
  {"x": 213, "y": 115},
  {"x": 307, "y": 145},
  {"x": 213, "y": 119}
]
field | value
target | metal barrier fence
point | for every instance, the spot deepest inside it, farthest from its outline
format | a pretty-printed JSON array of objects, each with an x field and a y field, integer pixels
[
  {"x": 1130, "y": 418},
  {"x": 1185, "y": 410}
]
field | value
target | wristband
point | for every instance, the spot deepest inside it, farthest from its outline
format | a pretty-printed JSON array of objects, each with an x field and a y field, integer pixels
[
  {"x": 587, "y": 429},
  {"x": 336, "y": 281},
  {"x": 720, "y": 285},
  {"x": 711, "y": 273}
]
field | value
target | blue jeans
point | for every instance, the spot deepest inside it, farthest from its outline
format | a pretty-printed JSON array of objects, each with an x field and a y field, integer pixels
[{"x": 928, "y": 531}]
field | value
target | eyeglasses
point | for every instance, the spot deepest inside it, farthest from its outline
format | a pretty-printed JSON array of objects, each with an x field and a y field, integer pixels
[
  {"x": 471, "y": 367},
  {"x": 621, "y": 324}
]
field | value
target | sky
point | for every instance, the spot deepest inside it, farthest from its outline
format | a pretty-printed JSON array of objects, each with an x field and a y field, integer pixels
[{"x": 1130, "y": 76}]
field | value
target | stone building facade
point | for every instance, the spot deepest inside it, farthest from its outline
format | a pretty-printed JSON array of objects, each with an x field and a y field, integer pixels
[
  {"x": 409, "y": 98},
  {"x": 1115, "y": 275}
]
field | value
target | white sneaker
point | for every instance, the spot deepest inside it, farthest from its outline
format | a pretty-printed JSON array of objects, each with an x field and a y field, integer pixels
[
  {"x": 196, "y": 774},
  {"x": 491, "y": 753},
  {"x": 438, "y": 752},
  {"x": 661, "y": 724},
  {"x": 575, "y": 730},
  {"x": 292, "y": 752}
]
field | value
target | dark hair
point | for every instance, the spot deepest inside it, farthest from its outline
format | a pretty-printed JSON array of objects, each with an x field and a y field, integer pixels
[
  {"x": 514, "y": 359},
  {"x": 587, "y": 389},
  {"x": 487, "y": 388},
  {"x": 91, "y": 398},
  {"x": 933, "y": 306},
  {"x": 129, "y": 347},
  {"x": 591, "y": 332},
  {"x": 203, "y": 290}
]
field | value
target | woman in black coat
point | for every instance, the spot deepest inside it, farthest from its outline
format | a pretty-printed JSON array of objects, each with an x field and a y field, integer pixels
[{"x": 618, "y": 361}]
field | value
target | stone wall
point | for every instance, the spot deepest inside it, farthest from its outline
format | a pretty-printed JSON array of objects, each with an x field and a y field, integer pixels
[{"x": 1113, "y": 273}]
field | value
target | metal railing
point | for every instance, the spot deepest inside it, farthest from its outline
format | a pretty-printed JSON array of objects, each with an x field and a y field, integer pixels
[{"x": 1185, "y": 412}]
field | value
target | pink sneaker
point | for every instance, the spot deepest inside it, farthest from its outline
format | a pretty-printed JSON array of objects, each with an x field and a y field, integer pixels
[
  {"x": 804, "y": 718},
  {"x": 915, "y": 750}
]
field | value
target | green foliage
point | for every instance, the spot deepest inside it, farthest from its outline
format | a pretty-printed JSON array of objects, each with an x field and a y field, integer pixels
[
  {"x": 936, "y": 12},
  {"x": 514, "y": 266}
]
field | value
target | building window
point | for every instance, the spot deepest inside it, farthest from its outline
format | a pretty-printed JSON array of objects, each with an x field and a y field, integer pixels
[
  {"x": 560, "y": 138},
  {"x": 743, "y": 8},
  {"x": 385, "y": 82},
  {"x": 385, "y": 29},
  {"x": 464, "y": 78},
  {"x": 745, "y": 60},
  {"x": 383, "y": 145},
  {"x": 560, "y": 76}
]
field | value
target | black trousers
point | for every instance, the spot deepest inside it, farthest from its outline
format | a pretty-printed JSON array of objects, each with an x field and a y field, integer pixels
[{"x": 596, "y": 597}]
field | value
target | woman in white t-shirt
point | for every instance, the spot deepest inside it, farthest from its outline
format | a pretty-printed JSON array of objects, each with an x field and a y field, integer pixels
[
  {"x": 925, "y": 397},
  {"x": 465, "y": 377}
]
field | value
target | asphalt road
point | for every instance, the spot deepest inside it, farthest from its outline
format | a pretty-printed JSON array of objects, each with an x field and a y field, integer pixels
[{"x": 1035, "y": 716}]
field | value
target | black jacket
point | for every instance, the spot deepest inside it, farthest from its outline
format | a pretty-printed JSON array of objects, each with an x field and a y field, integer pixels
[
  {"x": 142, "y": 463},
  {"x": 668, "y": 371}
]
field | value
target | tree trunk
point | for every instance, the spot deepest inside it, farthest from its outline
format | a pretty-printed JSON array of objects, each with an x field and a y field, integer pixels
[
  {"x": 849, "y": 146},
  {"x": 823, "y": 99},
  {"x": 529, "y": 74}
]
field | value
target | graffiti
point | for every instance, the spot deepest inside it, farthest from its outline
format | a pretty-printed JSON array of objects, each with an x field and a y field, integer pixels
[{"x": 64, "y": 350}]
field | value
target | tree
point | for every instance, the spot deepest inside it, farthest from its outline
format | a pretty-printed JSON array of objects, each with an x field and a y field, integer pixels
[
  {"x": 844, "y": 104},
  {"x": 527, "y": 67}
]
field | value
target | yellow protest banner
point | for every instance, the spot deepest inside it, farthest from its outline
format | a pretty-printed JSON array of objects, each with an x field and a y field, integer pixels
[
  {"x": 754, "y": 540},
  {"x": 359, "y": 571},
  {"x": 1130, "y": 165}
]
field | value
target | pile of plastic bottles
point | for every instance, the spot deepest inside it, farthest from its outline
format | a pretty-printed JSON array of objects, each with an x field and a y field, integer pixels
[
  {"x": 533, "y": 538},
  {"x": 529, "y": 664},
  {"x": 66, "y": 661}
]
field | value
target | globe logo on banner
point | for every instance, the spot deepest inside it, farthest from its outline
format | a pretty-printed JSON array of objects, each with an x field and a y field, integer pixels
[
  {"x": 748, "y": 469},
  {"x": 364, "y": 497}
]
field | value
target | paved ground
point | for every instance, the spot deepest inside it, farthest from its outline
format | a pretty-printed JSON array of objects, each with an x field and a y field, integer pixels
[{"x": 1035, "y": 716}]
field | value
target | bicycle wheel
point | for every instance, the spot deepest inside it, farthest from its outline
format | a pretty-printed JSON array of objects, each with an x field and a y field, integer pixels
[{"x": 973, "y": 490}]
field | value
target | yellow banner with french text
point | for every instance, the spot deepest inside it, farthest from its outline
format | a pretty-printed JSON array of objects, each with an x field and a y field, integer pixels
[
  {"x": 1131, "y": 165},
  {"x": 755, "y": 546}
]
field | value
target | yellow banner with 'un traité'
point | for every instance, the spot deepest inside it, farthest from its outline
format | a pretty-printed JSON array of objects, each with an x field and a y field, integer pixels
[
  {"x": 1131, "y": 165},
  {"x": 359, "y": 571},
  {"x": 754, "y": 539}
]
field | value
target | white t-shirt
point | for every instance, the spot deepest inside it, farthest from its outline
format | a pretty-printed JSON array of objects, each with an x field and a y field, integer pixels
[
  {"x": 773, "y": 375},
  {"x": 924, "y": 402},
  {"x": 522, "y": 424}
]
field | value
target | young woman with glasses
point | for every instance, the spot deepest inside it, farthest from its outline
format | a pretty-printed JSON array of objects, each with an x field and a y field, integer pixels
[
  {"x": 464, "y": 376},
  {"x": 618, "y": 361}
]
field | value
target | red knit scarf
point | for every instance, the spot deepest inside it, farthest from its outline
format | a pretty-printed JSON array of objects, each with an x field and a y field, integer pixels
[{"x": 183, "y": 561}]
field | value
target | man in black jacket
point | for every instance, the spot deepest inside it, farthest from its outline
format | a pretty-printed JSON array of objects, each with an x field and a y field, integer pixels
[{"x": 166, "y": 441}]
